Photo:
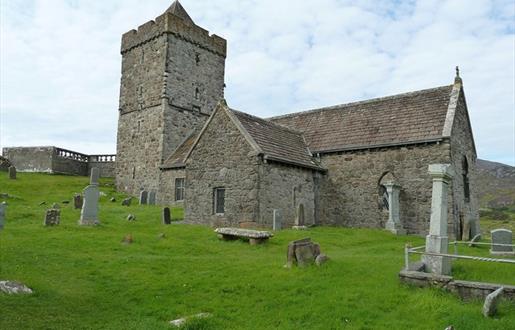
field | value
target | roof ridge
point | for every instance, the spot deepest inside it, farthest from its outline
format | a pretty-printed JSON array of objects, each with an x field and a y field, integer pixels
[{"x": 338, "y": 106}]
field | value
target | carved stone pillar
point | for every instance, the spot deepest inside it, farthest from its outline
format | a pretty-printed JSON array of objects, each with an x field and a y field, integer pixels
[{"x": 394, "y": 222}]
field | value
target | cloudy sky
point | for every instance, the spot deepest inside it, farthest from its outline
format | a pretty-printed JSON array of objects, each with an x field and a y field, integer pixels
[{"x": 60, "y": 61}]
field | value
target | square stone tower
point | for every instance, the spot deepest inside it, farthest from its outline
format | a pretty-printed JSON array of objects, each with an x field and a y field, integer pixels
[{"x": 172, "y": 78}]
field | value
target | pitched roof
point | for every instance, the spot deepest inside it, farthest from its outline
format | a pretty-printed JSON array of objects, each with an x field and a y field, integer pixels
[
  {"x": 410, "y": 117},
  {"x": 276, "y": 142},
  {"x": 178, "y": 10},
  {"x": 178, "y": 158}
]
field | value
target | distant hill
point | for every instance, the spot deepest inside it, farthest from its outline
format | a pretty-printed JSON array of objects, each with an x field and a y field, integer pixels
[{"x": 496, "y": 184}]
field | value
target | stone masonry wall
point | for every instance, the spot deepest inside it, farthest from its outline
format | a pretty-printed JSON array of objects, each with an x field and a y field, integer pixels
[
  {"x": 30, "y": 159},
  {"x": 349, "y": 193},
  {"x": 139, "y": 150},
  {"x": 166, "y": 194},
  {"x": 284, "y": 188},
  {"x": 222, "y": 158},
  {"x": 462, "y": 146}
]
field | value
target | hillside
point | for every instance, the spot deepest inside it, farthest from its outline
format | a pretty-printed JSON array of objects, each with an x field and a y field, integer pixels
[
  {"x": 496, "y": 184},
  {"x": 86, "y": 278}
]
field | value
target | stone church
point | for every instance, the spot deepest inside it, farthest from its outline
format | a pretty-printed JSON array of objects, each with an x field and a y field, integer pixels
[{"x": 344, "y": 165}]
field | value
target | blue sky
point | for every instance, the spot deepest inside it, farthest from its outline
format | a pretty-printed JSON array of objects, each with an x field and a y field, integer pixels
[{"x": 60, "y": 61}]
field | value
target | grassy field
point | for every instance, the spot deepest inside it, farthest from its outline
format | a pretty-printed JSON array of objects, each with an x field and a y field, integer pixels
[{"x": 85, "y": 278}]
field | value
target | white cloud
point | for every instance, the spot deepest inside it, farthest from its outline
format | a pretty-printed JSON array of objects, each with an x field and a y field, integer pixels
[{"x": 60, "y": 61}]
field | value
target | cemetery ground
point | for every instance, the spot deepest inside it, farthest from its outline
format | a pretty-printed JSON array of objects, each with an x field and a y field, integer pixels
[{"x": 85, "y": 278}]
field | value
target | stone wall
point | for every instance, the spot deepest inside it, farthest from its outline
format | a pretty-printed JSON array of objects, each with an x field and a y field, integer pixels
[
  {"x": 166, "y": 192},
  {"x": 349, "y": 193},
  {"x": 284, "y": 187},
  {"x": 462, "y": 146},
  {"x": 58, "y": 160},
  {"x": 30, "y": 159},
  {"x": 222, "y": 158}
]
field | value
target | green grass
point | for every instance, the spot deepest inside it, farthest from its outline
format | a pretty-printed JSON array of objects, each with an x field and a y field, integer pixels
[{"x": 85, "y": 278}]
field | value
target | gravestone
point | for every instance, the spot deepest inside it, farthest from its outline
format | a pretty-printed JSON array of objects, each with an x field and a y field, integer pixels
[
  {"x": 277, "y": 220},
  {"x": 166, "y": 216},
  {"x": 52, "y": 217},
  {"x": 3, "y": 206},
  {"x": 77, "y": 201},
  {"x": 89, "y": 212},
  {"x": 303, "y": 252},
  {"x": 12, "y": 172},
  {"x": 152, "y": 198},
  {"x": 143, "y": 197},
  {"x": 501, "y": 236},
  {"x": 127, "y": 201},
  {"x": 491, "y": 302}
]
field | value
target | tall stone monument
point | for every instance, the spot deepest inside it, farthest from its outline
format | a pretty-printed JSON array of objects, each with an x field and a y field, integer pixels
[
  {"x": 3, "y": 206},
  {"x": 12, "y": 172},
  {"x": 89, "y": 213},
  {"x": 394, "y": 222},
  {"x": 437, "y": 240}
]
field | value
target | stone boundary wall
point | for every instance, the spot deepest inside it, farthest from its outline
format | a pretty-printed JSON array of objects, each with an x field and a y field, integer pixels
[
  {"x": 51, "y": 159},
  {"x": 466, "y": 290}
]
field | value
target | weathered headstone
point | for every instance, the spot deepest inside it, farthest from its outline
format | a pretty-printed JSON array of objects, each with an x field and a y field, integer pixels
[
  {"x": 77, "y": 201},
  {"x": 277, "y": 220},
  {"x": 3, "y": 206},
  {"x": 152, "y": 198},
  {"x": 321, "y": 259},
  {"x": 52, "y": 217},
  {"x": 143, "y": 197},
  {"x": 95, "y": 175},
  {"x": 501, "y": 236},
  {"x": 491, "y": 302},
  {"x": 437, "y": 240},
  {"x": 166, "y": 216},
  {"x": 12, "y": 172},
  {"x": 303, "y": 252},
  {"x": 127, "y": 201},
  {"x": 89, "y": 212},
  {"x": 394, "y": 222}
]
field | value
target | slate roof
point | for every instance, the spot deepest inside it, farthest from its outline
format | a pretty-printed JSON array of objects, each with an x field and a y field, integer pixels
[
  {"x": 410, "y": 117},
  {"x": 277, "y": 142},
  {"x": 178, "y": 158}
]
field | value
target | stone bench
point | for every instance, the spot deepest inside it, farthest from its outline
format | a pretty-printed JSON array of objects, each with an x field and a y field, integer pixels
[{"x": 254, "y": 236}]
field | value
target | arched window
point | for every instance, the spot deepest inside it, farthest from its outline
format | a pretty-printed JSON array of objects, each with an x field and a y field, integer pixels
[
  {"x": 381, "y": 190},
  {"x": 465, "y": 173}
]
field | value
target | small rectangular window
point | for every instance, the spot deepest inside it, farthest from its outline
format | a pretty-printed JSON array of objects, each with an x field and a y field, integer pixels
[
  {"x": 179, "y": 189},
  {"x": 219, "y": 200}
]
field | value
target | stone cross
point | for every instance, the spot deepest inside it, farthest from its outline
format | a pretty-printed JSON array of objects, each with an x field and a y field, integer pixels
[
  {"x": 166, "y": 216},
  {"x": 12, "y": 172},
  {"x": 89, "y": 212},
  {"x": 152, "y": 198},
  {"x": 394, "y": 222},
  {"x": 501, "y": 236},
  {"x": 277, "y": 220},
  {"x": 437, "y": 240},
  {"x": 3, "y": 206},
  {"x": 143, "y": 197}
]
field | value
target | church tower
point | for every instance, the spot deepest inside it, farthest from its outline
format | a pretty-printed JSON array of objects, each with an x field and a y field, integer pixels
[{"x": 172, "y": 78}]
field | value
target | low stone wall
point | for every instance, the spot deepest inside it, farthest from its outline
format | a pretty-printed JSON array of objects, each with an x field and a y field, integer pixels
[
  {"x": 57, "y": 160},
  {"x": 466, "y": 290}
]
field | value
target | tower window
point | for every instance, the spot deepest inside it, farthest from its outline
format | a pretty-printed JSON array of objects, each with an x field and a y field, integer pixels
[
  {"x": 219, "y": 200},
  {"x": 197, "y": 58},
  {"x": 179, "y": 189},
  {"x": 134, "y": 172},
  {"x": 197, "y": 93}
]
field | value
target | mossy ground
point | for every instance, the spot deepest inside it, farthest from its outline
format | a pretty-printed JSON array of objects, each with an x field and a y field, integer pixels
[{"x": 85, "y": 278}]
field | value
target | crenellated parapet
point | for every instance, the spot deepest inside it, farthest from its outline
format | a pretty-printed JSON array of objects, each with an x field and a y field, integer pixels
[{"x": 169, "y": 23}]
